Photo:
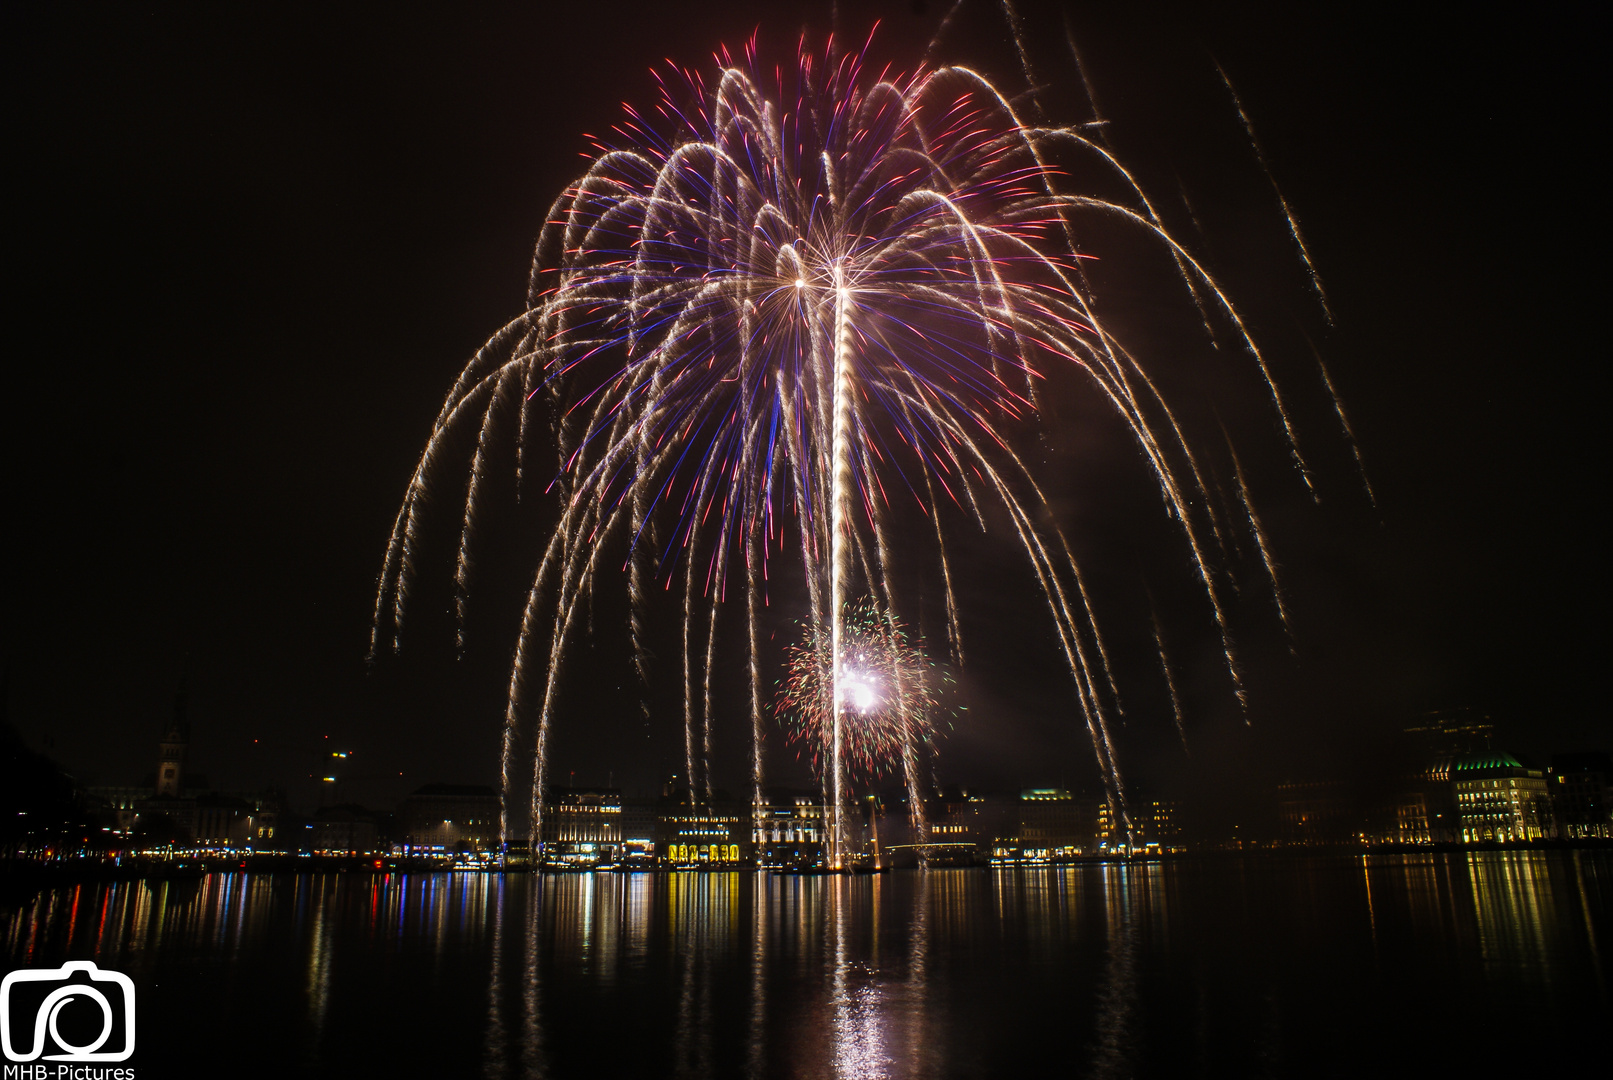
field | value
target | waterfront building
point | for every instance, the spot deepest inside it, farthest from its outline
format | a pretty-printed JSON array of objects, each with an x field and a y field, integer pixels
[
  {"x": 787, "y": 827},
  {"x": 583, "y": 826},
  {"x": 961, "y": 827},
  {"x": 1156, "y": 828},
  {"x": 180, "y": 805},
  {"x": 223, "y": 821},
  {"x": 202, "y": 819},
  {"x": 170, "y": 792},
  {"x": 717, "y": 833},
  {"x": 1425, "y": 808},
  {"x": 1053, "y": 822},
  {"x": 445, "y": 819},
  {"x": 1498, "y": 799},
  {"x": 1581, "y": 789},
  {"x": 119, "y": 804},
  {"x": 344, "y": 830},
  {"x": 967, "y": 816},
  {"x": 1315, "y": 813},
  {"x": 1049, "y": 824},
  {"x": 639, "y": 817}
]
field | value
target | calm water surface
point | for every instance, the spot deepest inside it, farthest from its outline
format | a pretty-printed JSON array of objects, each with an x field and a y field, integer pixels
[{"x": 1387, "y": 965}]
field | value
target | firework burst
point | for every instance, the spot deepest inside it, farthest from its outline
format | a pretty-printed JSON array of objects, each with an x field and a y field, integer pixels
[
  {"x": 889, "y": 691},
  {"x": 885, "y": 696},
  {"x": 779, "y": 310}
]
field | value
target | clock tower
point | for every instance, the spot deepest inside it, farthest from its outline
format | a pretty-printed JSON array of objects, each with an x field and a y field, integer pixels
[{"x": 175, "y": 741}]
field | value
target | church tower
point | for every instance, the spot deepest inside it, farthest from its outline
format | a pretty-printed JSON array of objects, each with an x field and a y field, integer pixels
[{"x": 175, "y": 741}]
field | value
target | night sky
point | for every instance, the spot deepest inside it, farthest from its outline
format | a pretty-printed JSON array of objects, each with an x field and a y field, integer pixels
[{"x": 251, "y": 247}]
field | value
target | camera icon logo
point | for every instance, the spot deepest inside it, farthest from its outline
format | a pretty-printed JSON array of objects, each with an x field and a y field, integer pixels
[{"x": 20, "y": 985}]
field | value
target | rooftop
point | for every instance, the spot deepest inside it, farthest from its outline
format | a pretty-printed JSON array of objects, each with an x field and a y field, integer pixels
[{"x": 1494, "y": 759}]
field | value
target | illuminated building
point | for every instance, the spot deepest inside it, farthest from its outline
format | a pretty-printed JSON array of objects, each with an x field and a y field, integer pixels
[
  {"x": 1052, "y": 820},
  {"x": 119, "y": 803},
  {"x": 704, "y": 837},
  {"x": 171, "y": 793},
  {"x": 233, "y": 821},
  {"x": 443, "y": 819},
  {"x": 171, "y": 756},
  {"x": 1156, "y": 826},
  {"x": 639, "y": 817},
  {"x": 344, "y": 830},
  {"x": 1425, "y": 808},
  {"x": 962, "y": 828},
  {"x": 787, "y": 828},
  {"x": 582, "y": 827},
  {"x": 716, "y": 834},
  {"x": 1581, "y": 790},
  {"x": 1049, "y": 824},
  {"x": 179, "y": 802},
  {"x": 1498, "y": 799},
  {"x": 960, "y": 815}
]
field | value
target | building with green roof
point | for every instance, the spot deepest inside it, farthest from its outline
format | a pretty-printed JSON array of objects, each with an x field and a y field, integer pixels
[{"x": 1498, "y": 799}]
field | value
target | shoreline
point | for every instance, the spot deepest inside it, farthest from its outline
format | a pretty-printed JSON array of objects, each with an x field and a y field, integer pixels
[{"x": 20, "y": 878}]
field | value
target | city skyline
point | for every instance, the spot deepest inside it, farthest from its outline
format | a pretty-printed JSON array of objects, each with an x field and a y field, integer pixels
[{"x": 1446, "y": 780}]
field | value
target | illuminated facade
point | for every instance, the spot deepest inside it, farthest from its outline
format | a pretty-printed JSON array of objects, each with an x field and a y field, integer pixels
[
  {"x": 718, "y": 834},
  {"x": 120, "y": 804},
  {"x": 583, "y": 827},
  {"x": 788, "y": 828},
  {"x": 964, "y": 815},
  {"x": 442, "y": 819},
  {"x": 1498, "y": 799},
  {"x": 1049, "y": 824},
  {"x": 172, "y": 751},
  {"x": 1421, "y": 808},
  {"x": 1156, "y": 824},
  {"x": 234, "y": 821},
  {"x": 1425, "y": 808},
  {"x": 639, "y": 817}
]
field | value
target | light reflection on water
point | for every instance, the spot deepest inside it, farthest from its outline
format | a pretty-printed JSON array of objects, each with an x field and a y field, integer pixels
[{"x": 1201, "y": 967}]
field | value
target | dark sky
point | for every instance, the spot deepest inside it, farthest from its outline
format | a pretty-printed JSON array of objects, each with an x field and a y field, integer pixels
[{"x": 252, "y": 245}]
